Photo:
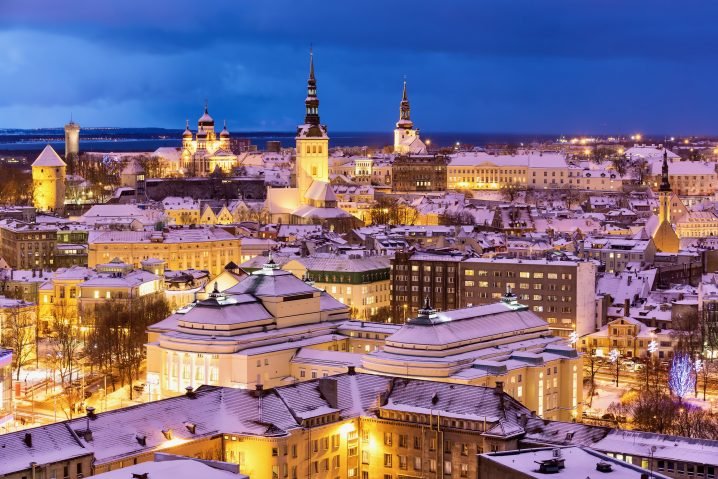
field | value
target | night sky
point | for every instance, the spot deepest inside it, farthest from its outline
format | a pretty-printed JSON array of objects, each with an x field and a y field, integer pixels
[{"x": 515, "y": 66}]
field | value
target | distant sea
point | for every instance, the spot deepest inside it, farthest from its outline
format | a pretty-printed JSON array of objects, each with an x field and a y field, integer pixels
[{"x": 149, "y": 139}]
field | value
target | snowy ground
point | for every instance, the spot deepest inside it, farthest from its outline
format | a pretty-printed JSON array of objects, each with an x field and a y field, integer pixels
[{"x": 607, "y": 393}]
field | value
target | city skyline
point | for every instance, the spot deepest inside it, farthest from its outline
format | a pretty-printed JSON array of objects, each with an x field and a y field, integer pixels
[{"x": 519, "y": 68}]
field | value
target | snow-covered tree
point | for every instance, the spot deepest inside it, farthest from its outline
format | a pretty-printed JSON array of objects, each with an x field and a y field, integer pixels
[{"x": 682, "y": 377}]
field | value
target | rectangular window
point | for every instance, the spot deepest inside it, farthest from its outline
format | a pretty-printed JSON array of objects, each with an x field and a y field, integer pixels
[{"x": 387, "y": 460}]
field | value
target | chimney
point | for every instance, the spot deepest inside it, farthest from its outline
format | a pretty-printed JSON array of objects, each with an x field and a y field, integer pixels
[
  {"x": 190, "y": 392},
  {"x": 144, "y": 475},
  {"x": 499, "y": 389},
  {"x": 328, "y": 390},
  {"x": 28, "y": 439},
  {"x": 627, "y": 307},
  {"x": 351, "y": 370},
  {"x": 523, "y": 419},
  {"x": 258, "y": 391},
  {"x": 141, "y": 439}
]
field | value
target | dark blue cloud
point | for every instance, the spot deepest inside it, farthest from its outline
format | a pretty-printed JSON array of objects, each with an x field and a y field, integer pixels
[{"x": 513, "y": 66}]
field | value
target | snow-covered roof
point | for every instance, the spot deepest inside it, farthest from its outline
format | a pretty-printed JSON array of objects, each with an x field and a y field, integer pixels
[
  {"x": 48, "y": 157},
  {"x": 457, "y": 326},
  {"x": 578, "y": 462},
  {"x": 176, "y": 468}
]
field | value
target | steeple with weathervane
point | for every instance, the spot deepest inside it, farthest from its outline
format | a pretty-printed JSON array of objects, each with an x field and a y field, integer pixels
[
  {"x": 312, "y": 142},
  {"x": 406, "y": 137},
  {"x": 665, "y": 237}
]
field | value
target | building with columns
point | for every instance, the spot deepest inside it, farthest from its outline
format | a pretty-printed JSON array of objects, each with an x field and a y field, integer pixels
[{"x": 272, "y": 329}]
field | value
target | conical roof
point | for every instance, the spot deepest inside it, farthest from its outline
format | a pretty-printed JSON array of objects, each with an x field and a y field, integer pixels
[{"x": 49, "y": 157}]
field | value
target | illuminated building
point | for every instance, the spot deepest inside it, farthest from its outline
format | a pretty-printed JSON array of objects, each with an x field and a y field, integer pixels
[
  {"x": 313, "y": 199},
  {"x": 243, "y": 336},
  {"x": 560, "y": 292},
  {"x": 205, "y": 152},
  {"x": 361, "y": 283},
  {"x": 501, "y": 343},
  {"x": 28, "y": 245},
  {"x": 207, "y": 248},
  {"x": 6, "y": 406},
  {"x": 72, "y": 141},
  {"x": 665, "y": 237},
  {"x": 406, "y": 137},
  {"x": 48, "y": 181},
  {"x": 116, "y": 281}
]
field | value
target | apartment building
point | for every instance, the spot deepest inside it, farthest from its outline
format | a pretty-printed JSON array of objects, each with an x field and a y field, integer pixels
[
  {"x": 28, "y": 245},
  {"x": 419, "y": 173},
  {"x": 618, "y": 253},
  {"x": 560, "y": 292}
]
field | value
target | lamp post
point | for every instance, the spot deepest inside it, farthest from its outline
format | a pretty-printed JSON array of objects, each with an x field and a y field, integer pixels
[
  {"x": 573, "y": 339},
  {"x": 614, "y": 356}
]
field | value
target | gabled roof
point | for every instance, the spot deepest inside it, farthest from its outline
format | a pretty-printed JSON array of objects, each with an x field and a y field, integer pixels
[
  {"x": 320, "y": 191},
  {"x": 48, "y": 157}
]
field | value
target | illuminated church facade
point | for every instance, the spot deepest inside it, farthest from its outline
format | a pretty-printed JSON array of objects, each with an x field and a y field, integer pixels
[
  {"x": 313, "y": 200},
  {"x": 205, "y": 152}
]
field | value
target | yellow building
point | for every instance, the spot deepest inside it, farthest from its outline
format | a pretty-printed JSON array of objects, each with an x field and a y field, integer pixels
[
  {"x": 207, "y": 248},
  {"x": 363, "y": 284},
  {"x": 481, "y": 171},
  {"x": 48, "y": 181},
  {"x": 59, "y": 297},
  {"x": 665, "y": 237},
  {"x": 313, "y": 200},
  {"x": 486, "y": 345},
  {"x": 631, "y": 338},
  {"x": 276, "y": 329},
  {"x": 351, "y": 426},
  {"x": 206, "y": 152}
]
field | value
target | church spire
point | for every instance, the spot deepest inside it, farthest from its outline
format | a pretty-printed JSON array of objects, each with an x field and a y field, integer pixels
[
  {"x": 404, "y": 111},
  {"x": 665, "y": 184},
  {"x": 312, "y": 102}
]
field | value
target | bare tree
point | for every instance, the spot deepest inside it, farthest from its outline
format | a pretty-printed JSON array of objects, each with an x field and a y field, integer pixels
[
  {"x": 20, "y": 337},
  {"x": 510, "y": 191},
  {"x": 593, "y": 364},
  {"x": 65, "y": 349}
]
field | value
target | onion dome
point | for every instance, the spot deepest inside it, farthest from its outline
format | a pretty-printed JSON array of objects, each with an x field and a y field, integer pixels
[
  {"x": 225, "y": 132},
  {"x": 187, "y": 132},
  {"x": 201, "y": 132},
  {"x": 205, "y": 119}
]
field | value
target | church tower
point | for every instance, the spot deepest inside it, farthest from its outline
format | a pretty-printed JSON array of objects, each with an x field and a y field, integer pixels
[
  {"x": 406, "y": 137},
  {"x": 665, "y": 237},
  {"x": 664, "y": 192},
  {"x": 48, "y": 181},
  {"x": 312, "y": 142}
]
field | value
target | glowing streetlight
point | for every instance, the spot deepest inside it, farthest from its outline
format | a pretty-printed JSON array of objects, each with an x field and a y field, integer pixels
[
  {"x": 573, "y": 338},
  {"x": 614, "y": 356}
]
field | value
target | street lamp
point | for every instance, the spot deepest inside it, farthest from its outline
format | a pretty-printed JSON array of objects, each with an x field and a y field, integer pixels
[
  {"x": 573, "y": 338},
  {"x": 614, "y": 356}
]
